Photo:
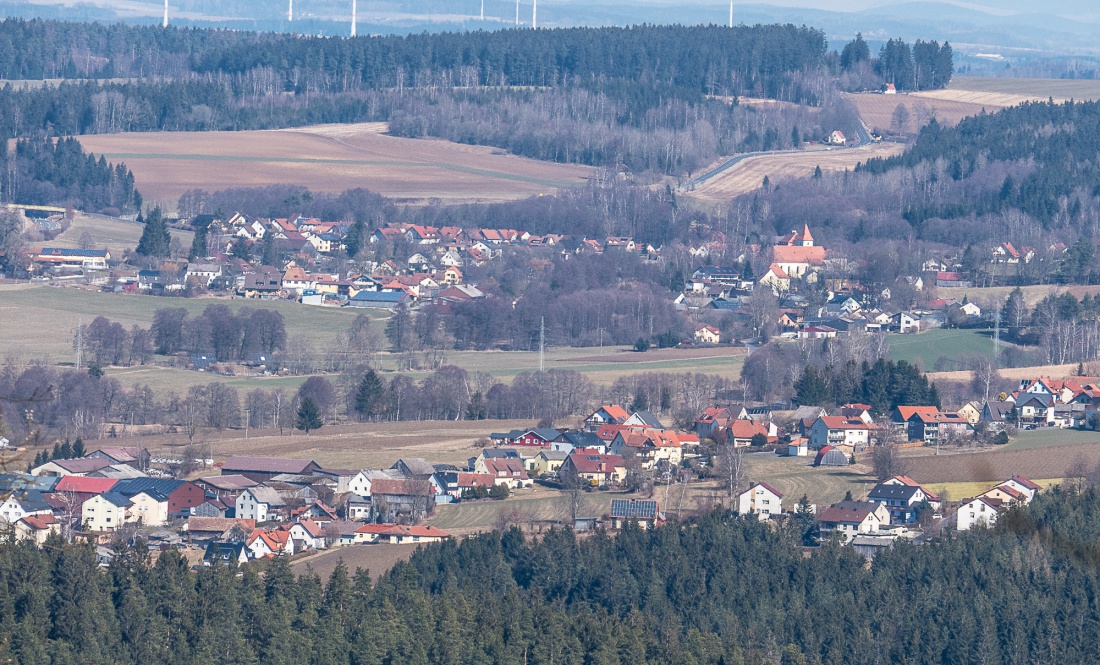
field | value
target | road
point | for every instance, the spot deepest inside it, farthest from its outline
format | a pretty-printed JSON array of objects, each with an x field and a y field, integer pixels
[{"x": 861, "y": 132}]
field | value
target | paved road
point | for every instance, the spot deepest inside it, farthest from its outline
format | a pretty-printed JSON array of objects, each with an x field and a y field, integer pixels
[{"x": 861, "y": 132}]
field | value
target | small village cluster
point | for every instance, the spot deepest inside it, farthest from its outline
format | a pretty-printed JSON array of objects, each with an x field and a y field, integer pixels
[
  {"x": 258, "y": 507},
  {"x": 429, "y": 268}
]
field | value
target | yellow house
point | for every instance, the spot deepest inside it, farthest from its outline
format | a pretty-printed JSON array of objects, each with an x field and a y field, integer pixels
[
  {"x": 452, "y": 275},
  {"x": 547, "y": 461},
  {"x": 707, "y": 335},
  {"x": 149, "y": 508},
  {"x": 37, "y": 528},
  {"x": 104, "y": 512},
  {"x": 971, "y": 411}
]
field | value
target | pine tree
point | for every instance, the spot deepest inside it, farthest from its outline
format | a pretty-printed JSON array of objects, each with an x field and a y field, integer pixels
[
  {"x": 309, "y": 416},
  {"x": 270, "y": 255},
  {"x": 78, "y": 447},
  {"x": 155, "y": 240},
  {"x": 369, "y": 396},
  {"x": 198, "y": 245}
]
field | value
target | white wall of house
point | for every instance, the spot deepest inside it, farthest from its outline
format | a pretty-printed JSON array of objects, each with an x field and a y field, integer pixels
[
  {"x": 98, "y": 514},
  {"x": 147, "y": 509},
  {"x": 974, "y": 514},
  {"x": 760, "y": 501}
]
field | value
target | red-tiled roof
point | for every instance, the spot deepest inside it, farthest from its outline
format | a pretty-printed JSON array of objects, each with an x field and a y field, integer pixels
[{"x": 82, "y": 484}]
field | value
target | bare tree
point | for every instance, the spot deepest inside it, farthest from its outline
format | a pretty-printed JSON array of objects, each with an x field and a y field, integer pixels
[
  {"x": 985, "y": 374},
  {"x": 731, "y": 469},
  {"x": 888, "y": 461}
]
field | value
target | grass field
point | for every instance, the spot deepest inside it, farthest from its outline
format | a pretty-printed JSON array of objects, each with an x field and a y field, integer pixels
[
  {"x": 795, "y": 476},
  {"x": 749, "y": 174},
  {"x": 1014, "y": 373},
  {"x": 959, "y": 491},
  {"x": 109, "y": 233},
  {"x": 928, "y": 347},
  {"x": 1041, "y": 89},
  {"x": 39, "y": 321},
  {"x": 330, "y": 158},
  {"x": 1032, "y": 294},
  {"x": 1045, "y": 438}
]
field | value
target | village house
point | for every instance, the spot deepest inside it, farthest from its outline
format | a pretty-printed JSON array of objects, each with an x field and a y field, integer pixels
[
  {"x": 760, "y": 499},
  {"x": 740, "y": 433},
  {"x": 649, "y": 446},
  {"x": 902, "y": 497},
  {"x": 177, "y": 497},
  {"x": 80, "y": 466},
  {"x": 398, "y": 534},
  {"x": 229, "y": 554},
  {"x": 611, "y": 414},
  {"x": 128, "y": 455},
  {"x": 646, "y": 514},
  {"x": 272, "y": 542},
  {"x": 65, "y": 257},
  {"x": 104, "y": 512},
  {"x": 847, "y": 519},
  {"x": 22, "y": 504},
  {"x": 715, "y": 417},
  {"x": 1035, "y": 409},
  {"x": 839, "y": 431},
  {"x": 593, "y": 468},
  {"x": 408, "y": 499},
  {"x": 37, "y": 528},
  {"x": 307, "y": 535},
  {"x": 202, "y": 274},
  {"x": 707, "y": 335},
  {"x": 262, "y": 504},
  {"x": 547, "y": 462},
  {"x": 928, "y": 424},
  {"x": 776, "y": 278},
  {"x": 509, "y": 472},
  {"x": 978, "y": 512}
]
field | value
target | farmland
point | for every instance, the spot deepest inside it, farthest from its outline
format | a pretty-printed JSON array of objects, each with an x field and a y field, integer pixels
[
  {"x": 1040, "y": 89},
  {"x": 330, "y": 158},
  {"x": 1032, "y": 294},
  {"x": 116, "y": 235},
  {"x": 1053, "y": 461},
  {"x": 378, "y": 559},
  {"x": 959, "y": 491},
  {"x": 928, "y": 347},
  {"x": 877, "y": 110},
  {"x": 748, "y": 174},
  {"x": 795, "y": 476}
]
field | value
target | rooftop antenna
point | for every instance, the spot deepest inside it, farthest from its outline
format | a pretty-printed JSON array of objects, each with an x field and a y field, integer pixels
[
  {"x": 353, "y": 8},
  {"x": 535, "y": 14},
  {"x": 290, "y": 12},
  {"x": 165, "y": 23},
  {"x": 542, "y": 344}
]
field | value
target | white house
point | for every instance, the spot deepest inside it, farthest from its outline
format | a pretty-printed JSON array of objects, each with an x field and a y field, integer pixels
[
  {"x": 307, "y": 535},
  {"x": 104, "y": 512},
  {"x": 761, "y": 500},
  {"x": 259, "y": 503},
  {"x": 837, "y": 138},
  {"x": 203, "y": 273},
  {"x": 273, "y": 542},
  {"x": 839, "y": 431},
  {"x": 1023, "y": 486},
  {"x": 361, "y": 482},
  {"x": 849, "y": 518},
  {"x": 980, "y": 512},
  {"x": 22, "y": 504}
]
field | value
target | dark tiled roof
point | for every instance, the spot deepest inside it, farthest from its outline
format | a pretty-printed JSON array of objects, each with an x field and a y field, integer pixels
[{"x": 633, "y": 509}]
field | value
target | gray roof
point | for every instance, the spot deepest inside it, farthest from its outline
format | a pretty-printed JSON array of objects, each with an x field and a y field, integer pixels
[
  {"x": 417, "y": 466},
  {"x": 120, "y": 471},
  {"x": 884, "y": 492},
  {"x": 229, "y": 483},
  {"x": 500, "y": 453},
  {"x": 634, "y": 509},
  {"x": 266, "y": 465},
  {"x": 115, "y": 498},
  {"x": 164, "y": 486},
  {"x": 10, "y": 482},
  {"x": 581, "y": 439},
  {"x": 268, "y": 495}
]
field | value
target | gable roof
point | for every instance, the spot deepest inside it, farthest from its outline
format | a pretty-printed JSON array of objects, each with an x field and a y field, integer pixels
[
  {"x": 588, "y": 462},
  {"x": 634, "y": 509},
  {"x": 163, "y": 486},
  {"x": 845, "y": 515},
  {"x": 229, "y": 483},
  {"x": 268, "y": 495},
  {"x": 82, "y": 484},
  {"x": 217, "y": 524},
  {"x": 400, "y": 487},
  {"x": 266, "y": 465},
  {"x": 767, "y": 487},
  {"x": 417, "y": 466},
  {"x": 82, "y": 464}
]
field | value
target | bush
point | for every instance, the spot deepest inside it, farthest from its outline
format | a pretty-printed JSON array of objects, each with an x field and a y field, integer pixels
[
  {"x": 499, "y": 492},
  {"x": 1001, "y": 438},
  {"x": 642, "y": 345}
]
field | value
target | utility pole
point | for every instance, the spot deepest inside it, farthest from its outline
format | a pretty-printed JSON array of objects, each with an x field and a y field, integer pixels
[
  {"x": 542, "y": 344},
  {"x": 79, "y": 344},
  {"x": 247, "y": 420}
]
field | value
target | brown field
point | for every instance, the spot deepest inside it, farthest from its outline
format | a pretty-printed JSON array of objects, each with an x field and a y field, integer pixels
[
  {"x": 1014, "y": 373},
  {"x": 1041, "y": 89},
  {"x": 330, "y": 158},
  {"x": 795, "y": 476},
  {"x": 378, "y": 559},
  {"x": 1041, "y": 462},
  {"x": 352, "y": 446},
  {"x": 877, "y": 110},
  {"x": 749, "y": 174}
]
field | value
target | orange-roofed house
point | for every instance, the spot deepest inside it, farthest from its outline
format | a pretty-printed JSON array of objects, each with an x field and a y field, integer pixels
[
  {"x": 650, "y": 446},
  {"x": 740, "y": 432},
  {"x": 273, "y": 542},
  {"x": 399, "y": 534},
  {"x": 776, "y": 278},
  {"x": 37, "y": 528},
  {"x": 610, "y": 414},
  {"x": 707, "y": 335}
]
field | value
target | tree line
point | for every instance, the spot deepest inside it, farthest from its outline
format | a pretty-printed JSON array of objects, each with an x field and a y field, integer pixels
[
  {"x": 1024, "y": 592},
  {"x": 60, "y": 172}
]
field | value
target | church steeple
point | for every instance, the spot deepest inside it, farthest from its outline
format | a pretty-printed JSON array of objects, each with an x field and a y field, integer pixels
[{"x": 807, "y": 239}]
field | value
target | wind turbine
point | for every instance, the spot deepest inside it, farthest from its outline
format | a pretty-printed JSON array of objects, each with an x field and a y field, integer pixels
[
  {"x": 731, "y": 14},
  {"x": 534, "y": 14},
  {"x": 353, "y": 18},
  {"x": 290, "y": 11},
  {"x": 482, "y": 10},
  {"x": 517, "y": 12},
  {"x": 165, "y": 24}
]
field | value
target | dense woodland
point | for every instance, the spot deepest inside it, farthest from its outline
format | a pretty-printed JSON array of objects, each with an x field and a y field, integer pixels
[
  {"x": 685, "y": 593},
  {"x": 45, "y": 171},
  {"x": 647, "y": 98}
]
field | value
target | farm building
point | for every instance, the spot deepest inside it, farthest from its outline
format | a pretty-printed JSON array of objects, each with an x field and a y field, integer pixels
[{"x": 831, "y": 456}]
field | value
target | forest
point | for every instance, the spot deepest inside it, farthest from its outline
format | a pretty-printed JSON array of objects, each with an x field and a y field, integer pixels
[
  {"x": 59, "y": 172},
  {"x": 685, "y": 593}
]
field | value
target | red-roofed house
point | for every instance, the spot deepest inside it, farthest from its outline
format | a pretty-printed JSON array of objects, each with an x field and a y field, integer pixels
[
  {"x": 507, "y": 471},
  {"x": 397, "y": 534},
  {"x": 777, "y": 278},
  {"x": 839, "y": 431},
  {"x": 83, "y": 485},
  {"x": 760, "y": 499},
  {"x": 273, "y": 542},
  {"x": 707, "y": 335},
  {"x": 37, "y": 528},
  {"x": 593, "y": 467},
  {"x": 740, "y": 432}
]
